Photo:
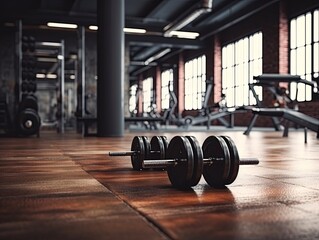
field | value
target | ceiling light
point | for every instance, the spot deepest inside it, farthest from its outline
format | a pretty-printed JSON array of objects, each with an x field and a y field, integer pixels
[
  {"x": 40, "y": 75},
  {"x": 46, "y": 59},
  {"x": 93, "y": 28},
  {"x": 49, "y": 44},
  {"x": 180, "y": 34},
  {"x": 126, "y": 30},
  {"x": 51, "y": 76},
  {"x": 61, "y": 25},
  {"x": 134, "y": 30}
]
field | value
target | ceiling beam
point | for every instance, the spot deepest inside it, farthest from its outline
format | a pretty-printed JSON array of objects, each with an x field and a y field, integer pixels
[
  {"x": 155, "y": 10},
  {"x": 169, "y": 42}
]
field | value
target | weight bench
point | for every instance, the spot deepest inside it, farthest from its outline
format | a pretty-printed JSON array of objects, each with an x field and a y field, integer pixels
[{"x": 291, "y": 115}]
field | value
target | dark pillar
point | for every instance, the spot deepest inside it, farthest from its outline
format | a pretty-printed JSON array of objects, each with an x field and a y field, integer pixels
[{"x": 110, "y": 55}]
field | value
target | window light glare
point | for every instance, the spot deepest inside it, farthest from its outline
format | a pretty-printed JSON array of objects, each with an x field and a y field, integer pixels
[{"x": 61, "y": 25}]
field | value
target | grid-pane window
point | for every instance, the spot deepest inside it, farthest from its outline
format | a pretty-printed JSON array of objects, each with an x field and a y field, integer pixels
[
  {"x": 304, "y": 53},
  {"x": 241, "y": 60},
  {"x": 167, "y": 86},
  {"x": 195, "y": 82},
  {"x": 133, "y": 98},
  {"x": 147, "y": 94}
]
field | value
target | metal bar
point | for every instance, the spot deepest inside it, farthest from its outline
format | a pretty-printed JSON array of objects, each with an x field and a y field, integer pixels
[
  {"x": 248, "y": 161},
  {"x": 160, "y": 163},
  {"x": 62, "y": 88},
  {"x": 128, "y": 153},
  {"x": 82, "y": 68},
  {"x": 207, "y": 161},
  {"x": 19, "y": 59},
  {"x": 251, "y": 125}
]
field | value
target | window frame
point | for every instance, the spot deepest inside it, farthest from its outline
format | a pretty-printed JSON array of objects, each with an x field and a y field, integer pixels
[
  {"x": 148, "y": 96},
  {"x": 303, "y": 44},
  {"x": 195, "y": 83},
  {"x": 167, "y": 81},
  {"x": 241, "y": 60}
]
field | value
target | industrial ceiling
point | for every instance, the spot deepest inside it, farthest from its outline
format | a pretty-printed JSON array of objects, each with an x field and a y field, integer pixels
[{"x": 158, "y": 17}]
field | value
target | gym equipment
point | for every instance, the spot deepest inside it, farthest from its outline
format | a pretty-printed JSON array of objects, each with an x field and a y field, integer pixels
[
  {"x": 29, "y": 101},
  {"x": 24, "y": 86},
  {"x": 32, "y": 87},
  {"x": 222, "y": 164},
  {"x": 28, "y": 122},
  {"x": 270, "y": 81},
  {"x": 142, "y": 149},
  {"x": 28, "y": 43},
  {"x": 5, "y": 118},
  {"x": 159, "y": 145},
  {"x": 28, "y": 119},
  {"x": 218, "y": 160},
  {"x": 291, "y": 115}
]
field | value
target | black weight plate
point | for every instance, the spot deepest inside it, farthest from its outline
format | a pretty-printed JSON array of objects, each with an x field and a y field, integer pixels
[
  {"x": 32, "y": 87},
  {"x": 29, "y": 101},
  {"x": 147, "y": 147},
  {"x": 180, "y": 175},
  {"x": 24, "y": 75},
  {"x": 28, "y": 122},
  {"x": 138, "y": 159},
  {"x": 234, "y": 160},
  {"x": 31, "y": 76},
  {"x": 217, "y": 173},
  {"x": 24, "y": 86},
  {"x": 198, "y": 160},
  {"x": 158, "y": 146},
  {"x": 165, "y": 141}
]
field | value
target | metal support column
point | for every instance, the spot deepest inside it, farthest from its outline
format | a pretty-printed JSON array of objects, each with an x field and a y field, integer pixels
[
  {"x": 80, "y": 89},
  {"x": 110, "y": 82},
  {"x": 62, "y": 89},
  {"x": 18, "y": 63}
]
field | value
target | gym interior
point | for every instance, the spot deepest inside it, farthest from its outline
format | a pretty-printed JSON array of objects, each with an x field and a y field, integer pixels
[{"x": 126, "y": 119}]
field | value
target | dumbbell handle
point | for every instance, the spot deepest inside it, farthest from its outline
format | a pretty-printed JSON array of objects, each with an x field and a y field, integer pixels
[
  {"x": 163, "y": 163},
  {"x": 242, "y": 161},
  {"x": 248, "y": 161},
  {"x": 128, "y": 153}
]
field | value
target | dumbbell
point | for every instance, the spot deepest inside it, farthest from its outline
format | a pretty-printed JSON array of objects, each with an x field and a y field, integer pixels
[
  {"x": 217, "y": 160},
  {"x": 28, "y": 43},
  {"x": 28, "y": 122},
  {"x": 32, "y": 87},
  {"x": 142, "y": 149},
  {"x": 28, "y": 119},
  {"x": 29, "y": 101}
]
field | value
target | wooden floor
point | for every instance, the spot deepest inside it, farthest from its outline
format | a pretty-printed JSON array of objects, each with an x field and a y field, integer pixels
[{"x": 66, "y": 187}]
